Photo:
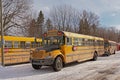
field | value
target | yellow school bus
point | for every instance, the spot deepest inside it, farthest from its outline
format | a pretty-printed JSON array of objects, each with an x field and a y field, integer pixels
[
  {"x": 110, "y": 47},
  {"x": 61, "y": 47},
  {"x": 17, "y": 49}
]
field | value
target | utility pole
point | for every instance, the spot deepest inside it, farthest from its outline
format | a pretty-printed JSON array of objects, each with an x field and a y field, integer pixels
[{"x": 2, "y": 41}]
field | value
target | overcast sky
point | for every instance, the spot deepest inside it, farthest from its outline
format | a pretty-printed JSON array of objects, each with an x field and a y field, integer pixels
[{"x": 107, "y": 10}]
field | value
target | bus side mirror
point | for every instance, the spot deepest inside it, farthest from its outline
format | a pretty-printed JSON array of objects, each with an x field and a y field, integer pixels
[{"x": 35, "y": 40}]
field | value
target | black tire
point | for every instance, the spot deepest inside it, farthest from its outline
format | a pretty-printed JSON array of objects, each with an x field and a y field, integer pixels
[
  {"x": 36, "y": 66},
  {"x": 95, "y": 56},
  {"x": 114, "y": 52},
  {"x": 58, "y": 64},
  {"x": 108, "y": 53}
]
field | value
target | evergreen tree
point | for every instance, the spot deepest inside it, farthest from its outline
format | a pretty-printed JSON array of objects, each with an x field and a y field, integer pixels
[
  {"x": 48, "y": 24},
  {"x": 40, "y": 23},
  {"x": 32, "y": 28}
]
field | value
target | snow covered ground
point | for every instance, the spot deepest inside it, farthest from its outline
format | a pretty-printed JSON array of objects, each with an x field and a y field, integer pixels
[{"x": 105, "y": 68}]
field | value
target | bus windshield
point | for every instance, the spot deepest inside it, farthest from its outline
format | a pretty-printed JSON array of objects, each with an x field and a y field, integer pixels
[
  {"x": 53, "y": 40},
  {"x": 106, "y": 44}
]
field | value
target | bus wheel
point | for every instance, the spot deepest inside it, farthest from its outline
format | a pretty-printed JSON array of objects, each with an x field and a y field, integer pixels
[
  {"x": 108, "y": 53},
  {"x": 114, "y": 52},
  {"x": 95, "y": 56},
  {"x": 36, "y": 66},
  {"x": 58, "y": 64}
]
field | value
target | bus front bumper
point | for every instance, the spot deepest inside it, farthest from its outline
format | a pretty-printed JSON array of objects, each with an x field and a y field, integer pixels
[{"x": 43, "y": 62}]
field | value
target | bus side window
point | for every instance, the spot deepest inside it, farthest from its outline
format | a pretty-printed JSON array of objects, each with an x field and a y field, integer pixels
[
  {"x": 96, "y": 42},
  {"x": 75, "y": 41},
  {"x": 89, "y": 42},
  {"x": 0, "y": 44},
  {"x": 8, "y": 44},
  {"x": 110, "y": 44},
  {"x": 22, "y": 44},
  {"x": 106, "y": 44},
  {"x": 38, "y": 44},
  {"x": 33, "y": 44},
  {"x": 101, "y": 43},
  {"x": 69, "y": 41},
  {"x": 83, "y": 41},
  {"x": 80, "y": 42},
  {"x": 16, "y": 44},
  {"x": 27, "y": 45}
]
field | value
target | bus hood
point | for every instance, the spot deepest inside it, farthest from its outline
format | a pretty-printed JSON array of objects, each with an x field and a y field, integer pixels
[
  {"x": 40, "y": 53},
  {"x": 48, "y": 48}
]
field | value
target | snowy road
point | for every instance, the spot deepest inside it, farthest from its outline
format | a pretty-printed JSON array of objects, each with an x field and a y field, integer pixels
[{"x": 105, "y": 68}]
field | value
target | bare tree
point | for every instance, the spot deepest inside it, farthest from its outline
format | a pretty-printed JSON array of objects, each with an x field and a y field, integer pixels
[
  {"x": 110, "y": 33},
  {"x": 64, "y": 17},
  {"x": 118, "y": 36},
  {"x": 15, "y": 13},
  {"x": 88, "y": 23}
]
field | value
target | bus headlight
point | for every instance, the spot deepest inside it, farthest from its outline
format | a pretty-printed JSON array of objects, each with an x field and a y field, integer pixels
[{"x": 49, "y": 55}]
